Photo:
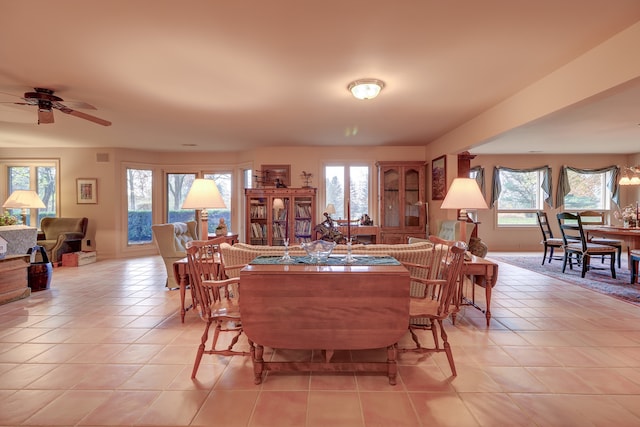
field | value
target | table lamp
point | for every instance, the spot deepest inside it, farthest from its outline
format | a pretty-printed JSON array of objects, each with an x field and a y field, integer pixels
[
  {"x": 24, "y": 199},
  {"x": 203, "y": 195},
  {"x": 330, "y": 209},
  {"x": 464, "y": 194}
]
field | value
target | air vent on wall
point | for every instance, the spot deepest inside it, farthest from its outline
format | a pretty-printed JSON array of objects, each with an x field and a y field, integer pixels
[{"x": 102, "y": 157}]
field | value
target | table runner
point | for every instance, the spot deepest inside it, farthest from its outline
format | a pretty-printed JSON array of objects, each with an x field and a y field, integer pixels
[{"x": 332, "y": 260}]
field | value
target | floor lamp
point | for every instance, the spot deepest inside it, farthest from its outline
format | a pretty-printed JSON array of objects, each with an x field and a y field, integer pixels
[
  {"x": 203, "y": 195},
  {"x": 464, "y": 194},
  {"x": 24, "y": 199}
]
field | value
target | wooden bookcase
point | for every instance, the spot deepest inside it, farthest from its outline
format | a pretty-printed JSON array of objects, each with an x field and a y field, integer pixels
[
  {"x": 401, "y": 200},
  {"x": 274, "y": 214}
]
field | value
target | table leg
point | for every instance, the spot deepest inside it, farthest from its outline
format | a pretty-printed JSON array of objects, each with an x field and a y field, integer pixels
[{"x": 488, "y": 290}]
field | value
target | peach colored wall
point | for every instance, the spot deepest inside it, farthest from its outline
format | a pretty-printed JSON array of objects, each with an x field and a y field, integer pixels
[{"x": 107, "y": 218}]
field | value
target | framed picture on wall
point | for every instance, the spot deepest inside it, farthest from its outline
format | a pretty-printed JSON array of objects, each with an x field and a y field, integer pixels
[
  {"x": 271, "y": 173},
  {"x": 439, "y": 178},
  {"x": 87, "y": 190}
]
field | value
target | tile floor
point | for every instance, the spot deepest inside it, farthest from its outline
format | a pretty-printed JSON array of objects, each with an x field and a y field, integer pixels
[{"x": 105, "y": 346}]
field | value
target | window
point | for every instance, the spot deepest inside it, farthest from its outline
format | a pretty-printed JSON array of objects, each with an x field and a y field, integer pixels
[
  {"x": 587, "y": 190},
  {"x": 139, "y": 206},
  {"x": 178, "y": 185},
  {"x": 223, "y": 181},
  {"x": 519, "y": 194},
  {"x": 41, "y": 176},
  {"x": 347, "y": 183}
]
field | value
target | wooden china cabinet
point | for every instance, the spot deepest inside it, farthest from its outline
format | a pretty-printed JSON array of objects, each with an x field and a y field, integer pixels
[
  {"x": 275, "y": 214},
  {"x": 401, "y": 200}
]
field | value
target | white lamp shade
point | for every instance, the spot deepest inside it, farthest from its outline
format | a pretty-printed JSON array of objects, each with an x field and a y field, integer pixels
[
  {"x": 203, "y": 194},
  {"x": 331, "y": 209},
  {"x": 24, "y": 199},
  {"x": 464, "y": 193},
  {"x": 278, "y": 203}
]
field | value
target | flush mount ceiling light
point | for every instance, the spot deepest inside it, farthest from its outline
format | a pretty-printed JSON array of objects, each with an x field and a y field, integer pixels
[{"x": 365, "y": 88}]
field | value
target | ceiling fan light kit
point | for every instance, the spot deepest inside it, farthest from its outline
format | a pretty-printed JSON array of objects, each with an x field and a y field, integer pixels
[{"x": 365, "y": 88}]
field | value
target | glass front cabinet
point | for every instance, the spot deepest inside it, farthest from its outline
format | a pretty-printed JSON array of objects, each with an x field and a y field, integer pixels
[
  {"x": 402, "y": 202},
  {"x": 276, "y": 214}
]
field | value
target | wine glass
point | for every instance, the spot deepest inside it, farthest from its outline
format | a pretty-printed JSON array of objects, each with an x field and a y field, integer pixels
[{"x": 286, "y": 257}]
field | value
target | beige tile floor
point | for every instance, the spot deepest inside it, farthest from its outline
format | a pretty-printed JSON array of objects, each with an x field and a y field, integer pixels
[{"x": 105, "y": 346}]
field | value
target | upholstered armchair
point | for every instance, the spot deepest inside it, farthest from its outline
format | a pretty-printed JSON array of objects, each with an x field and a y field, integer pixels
[
  {"x": 61, "y": 235},
  {"x": 171, "y": 240}
]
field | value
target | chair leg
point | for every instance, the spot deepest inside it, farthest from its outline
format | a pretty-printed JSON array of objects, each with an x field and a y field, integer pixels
[
  {"x": 203, "y": 341},
  {"x": 544, "y": 257},
  {"x": 619, "y": 256},
  {"x": 447, "y": 348},
  {"x": 634, "y": 270},
  {"x": 586, "y": 260},
  {"x": 613, "y": 265},
  {"x": 564, "y": 261}
]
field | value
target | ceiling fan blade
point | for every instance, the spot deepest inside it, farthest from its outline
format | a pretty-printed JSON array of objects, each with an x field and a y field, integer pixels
[
  {"x": 45, "y": 116},
  {"x": 85, "y": 116}
]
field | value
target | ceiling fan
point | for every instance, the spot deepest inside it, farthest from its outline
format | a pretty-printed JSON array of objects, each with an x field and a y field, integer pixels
[{"x": 47, "y": 101}]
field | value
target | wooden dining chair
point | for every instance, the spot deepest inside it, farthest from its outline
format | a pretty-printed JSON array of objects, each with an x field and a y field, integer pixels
[
  {"x": 576, "y": 245},
  {"x": 550, "y": 243},
  {"x": 598, "y": 218},
  {"x": 437, "y": 301},
  {"x": 217, "y": 299}
]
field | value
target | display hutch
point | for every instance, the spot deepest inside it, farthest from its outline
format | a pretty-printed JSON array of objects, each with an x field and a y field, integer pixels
[
  {"x": 402, "y": 202},
  {"x": 276, "y": 214}
]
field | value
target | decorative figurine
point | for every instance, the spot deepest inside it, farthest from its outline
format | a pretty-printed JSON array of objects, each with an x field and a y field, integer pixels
[
  {"x": 306, "y": 177},
  {"x": 280, "y": 184},
  {"x": 221, "y": 229},
  {"x": 365, "y": 220}
]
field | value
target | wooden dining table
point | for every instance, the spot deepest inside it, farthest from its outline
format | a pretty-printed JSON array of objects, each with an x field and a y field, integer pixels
[
  {"x": 630, "y": 236},
  {"x": 324, "y": 307}
]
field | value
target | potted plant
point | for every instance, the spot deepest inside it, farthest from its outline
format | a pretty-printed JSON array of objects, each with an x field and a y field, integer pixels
[{"x": 8, "y": 219}]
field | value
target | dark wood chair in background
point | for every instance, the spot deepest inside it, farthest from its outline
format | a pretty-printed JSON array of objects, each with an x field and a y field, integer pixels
[
  {"x": 597, "y": 218},
  {"x": 576, "y": 245},
  {"x": 550, "y": 243}
]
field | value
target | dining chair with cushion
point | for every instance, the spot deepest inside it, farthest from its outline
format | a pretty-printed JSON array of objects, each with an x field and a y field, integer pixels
[
  {"x": 597, "y": 218},
  {"x": 437, "y": 300},
  {"x": 217, "y": 299},
  {"x": 550, "y": 243},
  {"x": 576, "y": 245}
]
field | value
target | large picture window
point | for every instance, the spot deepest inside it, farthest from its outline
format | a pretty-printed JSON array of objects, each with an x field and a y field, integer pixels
[
  {"x": 348, "y": 183},
  {"x": 519, "y": 193},
  {"x": 139, "y": 206},
  {"x": 588, "y": 189},
  {"x": 41, "y": 176}
]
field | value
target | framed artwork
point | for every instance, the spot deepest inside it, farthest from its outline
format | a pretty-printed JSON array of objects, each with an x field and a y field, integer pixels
[
  {"x": 439, "y": 178},
  {"x": 276, "y": 172},
  {"x": 87, "y": 190}
]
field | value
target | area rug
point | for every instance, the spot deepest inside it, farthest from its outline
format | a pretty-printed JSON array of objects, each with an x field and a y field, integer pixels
[{"x": 598, "y": 280}]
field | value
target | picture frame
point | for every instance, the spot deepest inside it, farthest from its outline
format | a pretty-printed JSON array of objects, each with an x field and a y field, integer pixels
[
  {"x": 86, "y": 191},
  {"x": 273, "y": 172},
  {"x": 439, "y": 178}
]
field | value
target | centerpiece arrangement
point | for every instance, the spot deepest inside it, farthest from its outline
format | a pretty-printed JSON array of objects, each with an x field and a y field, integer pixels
[{"x": 630, "y": 216}]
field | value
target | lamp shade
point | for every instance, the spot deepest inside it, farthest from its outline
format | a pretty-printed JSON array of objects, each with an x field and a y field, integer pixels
[
  {"x": 24, "y": 199},
  {"x": 464, "y": 193},
  {"x": 331, "y": 209},
  {"x": 278, "y": 203},
  {"x": 203, "y": 194}
]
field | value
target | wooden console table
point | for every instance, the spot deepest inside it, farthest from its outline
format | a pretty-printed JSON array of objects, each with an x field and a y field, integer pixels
[
  {"x": 13, "y": 278},
  {"x": 324, "y": 307}
]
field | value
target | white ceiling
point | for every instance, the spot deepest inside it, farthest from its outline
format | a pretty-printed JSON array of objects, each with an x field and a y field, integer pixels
[{"x": 208, "y": 75}]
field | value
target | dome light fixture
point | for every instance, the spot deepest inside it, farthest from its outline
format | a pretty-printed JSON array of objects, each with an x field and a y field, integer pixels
[{"x": 365, "y": 88}]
